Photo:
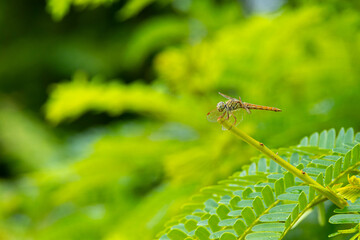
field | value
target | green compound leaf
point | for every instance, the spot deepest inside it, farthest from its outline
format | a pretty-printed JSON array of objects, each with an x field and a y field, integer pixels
[
  {"x": 279, "y": 187},
  {"x": 222, "y": 211},
  {"x": 176, "y": 234},
  {"x": 289, "y": 180},
  {"x": 355, "y": 154},
  {"x": 264, "y": 201},
  {"x": 352, "y": 190},
  {"x": 268, "y": 195},
  {"x": 314, "y": 139},
  {"x": 302, "y": 201},
  {"x": 190, "y": 225},
  {"x": 330, "y": 141},
  {"x": 263, "y": 236},
  {"x": 228, "y": 236},
  {"x": 249, "y": 215},
  {"x": 340, "y": 138},
  {"x": 202, "y": 233},
  {"x": 322, "y": 139},
  {"x": 269, "y": 227},
  {"x": 347, "y": 161},
  {"x": 214, "y": 223},
  {"x": 239, "y": 227},
  {"x": 337, "y": 167},
  {"x": 274, "y": 217},
  {"x": 349, "y": 209},
  {"x": 295, "y": 212},
  {"x": 258, "y": 206},
  {"x": 328, "y": 174},
  {"x": 349, "y": 136},
  {"x": 345, "y": 218}
]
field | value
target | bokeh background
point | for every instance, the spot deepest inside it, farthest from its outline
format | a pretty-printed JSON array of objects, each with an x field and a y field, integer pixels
[{"x": 103, "y": 130}]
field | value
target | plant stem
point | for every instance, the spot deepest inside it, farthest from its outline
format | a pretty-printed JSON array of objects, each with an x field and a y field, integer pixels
[{"x": 331, "y": 195}]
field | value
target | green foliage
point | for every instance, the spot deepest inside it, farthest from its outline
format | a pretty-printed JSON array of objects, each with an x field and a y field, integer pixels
[
  {"x": 352, "y": 190},
  {"x": 265, "y": 202},
  {"x": 133, "y": 7},
  {"x": 106, "y": 170},
  {"x": 29, "y": 142},
  {"x": 349, "y": 214},
  {"x": 59, "y": 8},
  {"x": 121, "y": 156},
  {"x": 292, "y": 60},
  {"x": 72, "y": 99}
]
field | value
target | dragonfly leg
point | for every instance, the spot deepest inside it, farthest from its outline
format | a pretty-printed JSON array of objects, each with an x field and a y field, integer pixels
[
  {"x": 245, "y": 107},
  {"x": 234, "y": 121},
  {"x": 222, "y": 115},
  {"x": 228, "y": 116}
]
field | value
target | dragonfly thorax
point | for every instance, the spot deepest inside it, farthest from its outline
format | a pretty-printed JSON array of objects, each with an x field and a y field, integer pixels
[{"x": 220, "y": 106}]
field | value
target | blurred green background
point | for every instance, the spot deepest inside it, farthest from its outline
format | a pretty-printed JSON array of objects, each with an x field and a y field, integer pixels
[{"x": 103, "y": 130}]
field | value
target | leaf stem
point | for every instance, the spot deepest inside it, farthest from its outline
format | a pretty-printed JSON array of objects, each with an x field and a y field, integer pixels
[
  {"x": 318, "y": 199},
  {"x": 330, "y": 194}
]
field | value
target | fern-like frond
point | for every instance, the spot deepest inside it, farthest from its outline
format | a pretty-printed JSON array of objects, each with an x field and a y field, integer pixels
[
  {"x": 70, "y": 100},
  {"x": 352, "y": 190},
  {"x": 59, "y": 8},
  {"x": 265, "y": 201},
  {"x": 351, "y": 213}
]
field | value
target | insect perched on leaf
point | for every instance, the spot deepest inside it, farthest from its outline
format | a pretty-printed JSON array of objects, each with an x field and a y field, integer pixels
[{"x": 233, "y": 110}]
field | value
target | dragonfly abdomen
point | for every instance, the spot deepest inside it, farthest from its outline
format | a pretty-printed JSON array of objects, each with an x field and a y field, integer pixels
[{"x": 259, "y": 107}]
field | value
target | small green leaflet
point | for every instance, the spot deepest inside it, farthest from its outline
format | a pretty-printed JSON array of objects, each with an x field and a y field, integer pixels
[{"x": 352, "y": 190}]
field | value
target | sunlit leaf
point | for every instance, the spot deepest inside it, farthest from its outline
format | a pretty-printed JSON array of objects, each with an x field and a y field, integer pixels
[{"x": 352, "y": 190}]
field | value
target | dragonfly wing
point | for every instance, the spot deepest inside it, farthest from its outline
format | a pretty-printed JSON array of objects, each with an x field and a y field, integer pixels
[
  {"x": 214, "y": 115},
  {"x": 237, "y": 117},
  {"x": 226, "y": 96}
]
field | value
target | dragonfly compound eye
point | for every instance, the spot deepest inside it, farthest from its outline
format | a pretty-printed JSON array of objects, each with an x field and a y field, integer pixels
[{"x": 220, "y": 106}]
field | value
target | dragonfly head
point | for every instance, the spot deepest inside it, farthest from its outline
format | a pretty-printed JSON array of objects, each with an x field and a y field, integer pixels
[{"x": 220, "y": 106}]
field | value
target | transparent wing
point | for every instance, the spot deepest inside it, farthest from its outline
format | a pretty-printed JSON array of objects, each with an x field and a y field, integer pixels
[
  {"x": 225, "y": 96},
  {"x": 235, "y": 117},
  {"x": 214, "y": 115},
  {"x": 238, "y": 116}
]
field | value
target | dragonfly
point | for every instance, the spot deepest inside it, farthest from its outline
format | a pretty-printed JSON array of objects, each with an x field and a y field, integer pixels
[{"x": 233, "y": 110}]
